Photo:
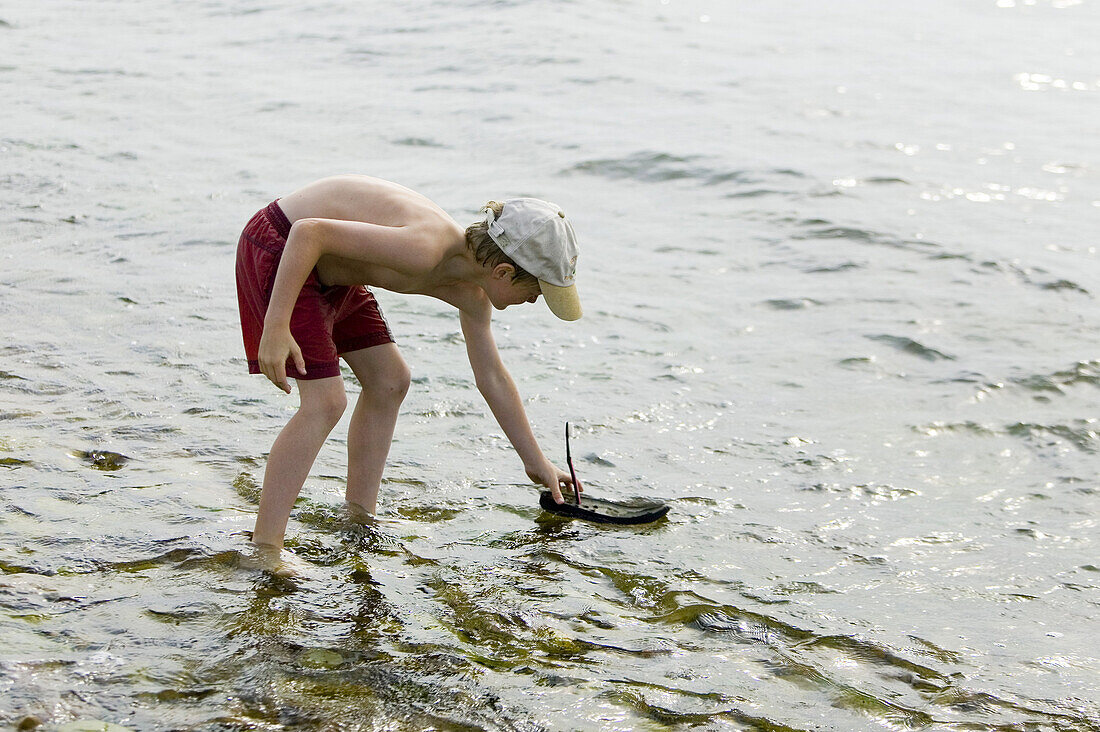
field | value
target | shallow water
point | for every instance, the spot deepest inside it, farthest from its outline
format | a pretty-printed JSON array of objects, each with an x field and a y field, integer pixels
[{"x": 840, "y": 273}]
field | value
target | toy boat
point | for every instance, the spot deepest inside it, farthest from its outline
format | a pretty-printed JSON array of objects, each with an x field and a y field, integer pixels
[{"x": 600, "y": 510}]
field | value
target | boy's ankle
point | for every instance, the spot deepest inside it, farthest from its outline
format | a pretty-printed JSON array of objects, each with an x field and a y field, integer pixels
[{"x": 360, "y": 513}]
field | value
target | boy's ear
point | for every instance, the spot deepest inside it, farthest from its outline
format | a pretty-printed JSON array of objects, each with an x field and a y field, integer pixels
[{"x": 503, "y": 270}]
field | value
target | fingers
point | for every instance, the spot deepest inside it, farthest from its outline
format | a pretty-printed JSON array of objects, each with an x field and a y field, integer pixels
[
  {"x": 565, "y": 482},
  {"x": 554, "y": 479},
  {"x": 275, "y": 371},
  {"x": 274, "y": 352},
  {"x": 299, "y": 361},
  {"x": 280, "y": 377},
  {"x": 276, "y": 375}
]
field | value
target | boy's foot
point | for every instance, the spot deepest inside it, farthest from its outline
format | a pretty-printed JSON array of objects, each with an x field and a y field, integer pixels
[
  {"x": 359, "y": 515},
  {"x": 273, "y": 560}
]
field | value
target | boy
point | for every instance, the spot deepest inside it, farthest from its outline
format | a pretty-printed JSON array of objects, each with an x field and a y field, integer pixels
[{"x": 302, "y": 267}]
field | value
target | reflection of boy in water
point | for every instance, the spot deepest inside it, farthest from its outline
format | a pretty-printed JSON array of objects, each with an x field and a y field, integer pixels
[{"x": 302, "y": 264}]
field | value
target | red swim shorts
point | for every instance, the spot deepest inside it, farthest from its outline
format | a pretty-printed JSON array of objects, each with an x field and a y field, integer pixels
[{"x": 326, "y": 322}]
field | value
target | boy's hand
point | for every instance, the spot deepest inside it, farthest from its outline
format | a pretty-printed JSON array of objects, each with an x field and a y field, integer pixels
[
  {"x": 276, "y": 346},
  {"x": 551, "y": 477}
]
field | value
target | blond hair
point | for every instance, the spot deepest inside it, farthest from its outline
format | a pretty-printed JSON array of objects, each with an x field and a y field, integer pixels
[{"x": 486, "y": 251}]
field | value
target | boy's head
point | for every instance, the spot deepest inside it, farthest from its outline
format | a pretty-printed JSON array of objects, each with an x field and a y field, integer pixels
[{"x": 536, "y": 239}]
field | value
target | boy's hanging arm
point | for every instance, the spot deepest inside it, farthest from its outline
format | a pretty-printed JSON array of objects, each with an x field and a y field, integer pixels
[
  {"x": 500, "y": 393},
  {"x": 309, "y": 240}
]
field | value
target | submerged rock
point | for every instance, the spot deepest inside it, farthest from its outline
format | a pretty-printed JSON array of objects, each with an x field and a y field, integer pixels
[
  {"x": 321, "y": 658},
  {"x": 102, "y": 459}
]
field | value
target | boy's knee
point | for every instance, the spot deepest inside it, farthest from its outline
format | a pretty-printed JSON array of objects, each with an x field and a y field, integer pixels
[
  {"x": 390, "y": 386},
  {"x": 397, "y": 383},
  {"x": 327, "y": 406}
]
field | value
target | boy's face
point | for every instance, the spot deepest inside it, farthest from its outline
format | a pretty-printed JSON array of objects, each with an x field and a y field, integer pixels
[{"x": 504, "y": 291}]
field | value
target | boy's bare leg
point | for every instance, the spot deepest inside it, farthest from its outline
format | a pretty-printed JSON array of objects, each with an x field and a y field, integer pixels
[
  {"x": 322, "y": 402},
  {"x": 384, "y": 376}
]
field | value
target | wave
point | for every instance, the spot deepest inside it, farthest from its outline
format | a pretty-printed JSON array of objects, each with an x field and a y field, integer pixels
[
  {"x": 911, "y": 347},
  {"x": 1082, "y": 434},
  {"x": 660, "y": 167}
]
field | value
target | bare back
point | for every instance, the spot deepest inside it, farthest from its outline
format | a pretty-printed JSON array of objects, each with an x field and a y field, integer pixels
[
  {"x": 436, "y": 236},
  {"x": 366, "y": 199}
]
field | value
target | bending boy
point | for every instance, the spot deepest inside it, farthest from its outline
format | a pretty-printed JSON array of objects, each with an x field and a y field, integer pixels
[{"x": 303, "y": 264}]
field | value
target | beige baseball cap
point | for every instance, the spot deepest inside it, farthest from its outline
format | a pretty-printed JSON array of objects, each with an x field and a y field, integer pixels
[{"x": 538, "y": 237}]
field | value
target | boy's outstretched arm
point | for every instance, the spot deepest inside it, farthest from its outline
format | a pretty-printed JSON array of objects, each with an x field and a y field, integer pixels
[{"x": 496, "y": 385}]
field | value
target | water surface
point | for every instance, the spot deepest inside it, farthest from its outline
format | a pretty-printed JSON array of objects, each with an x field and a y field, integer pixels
[{"x": 840, "y": 274}]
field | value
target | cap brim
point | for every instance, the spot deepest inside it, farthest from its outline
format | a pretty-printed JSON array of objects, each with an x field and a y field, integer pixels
[{"x": 562, "y": 301}]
